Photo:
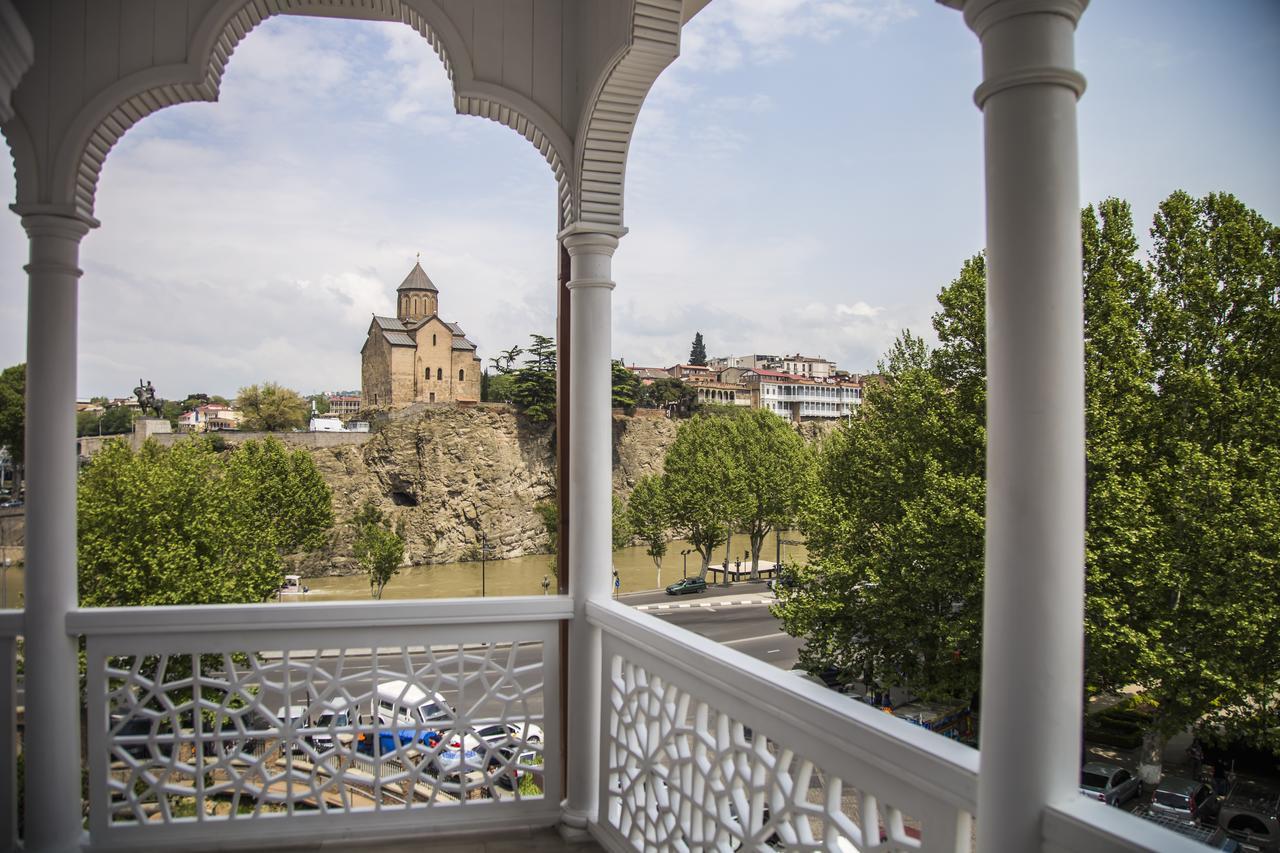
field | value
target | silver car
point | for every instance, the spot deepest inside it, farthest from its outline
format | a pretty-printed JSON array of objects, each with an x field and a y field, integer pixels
[
  {"x": 1109, "y": 783},
  {"x": 1181, "y": 799}
]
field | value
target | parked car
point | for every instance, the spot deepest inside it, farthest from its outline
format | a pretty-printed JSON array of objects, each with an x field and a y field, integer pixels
[
  {"x": 1109, "y": 783},
  {"x": 1251, "y": 815},
  {"x": 386, "y": 741},
  {"x": 506, "y": 732},
  {"x": 296, "y": 717},
  {"x": 1211, "y": 836},
  {"x": 401, "y": 703},
  {"x": 1184, "y": 800},
  {"x": 333, "y": 715},
  {"x": 687, "y": 585}
]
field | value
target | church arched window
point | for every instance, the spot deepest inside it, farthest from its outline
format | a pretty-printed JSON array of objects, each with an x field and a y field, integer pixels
[
  {"x": 459, "y": 375},
  {"x": 439, "y": 374},
  {"x": 433, "y": 340}
]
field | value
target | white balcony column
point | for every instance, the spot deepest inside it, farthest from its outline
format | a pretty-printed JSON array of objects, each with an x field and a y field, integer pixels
[
  {"x": 1032, "y": 659},
  {"x": 590, "y": 543},
  {"x": 53, "y": 821}
]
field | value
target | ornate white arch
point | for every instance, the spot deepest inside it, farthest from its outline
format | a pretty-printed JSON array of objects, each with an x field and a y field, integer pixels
[
  {"x": 605, "y": 135},
  {"x": 101, "y": 122}
]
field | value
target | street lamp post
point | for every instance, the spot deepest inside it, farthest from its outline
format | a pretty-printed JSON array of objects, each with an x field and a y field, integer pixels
[
  {"x": 546, "y": 585},
  {"x": 684, "y": 572},
  {"x": 484, "y": 547}
]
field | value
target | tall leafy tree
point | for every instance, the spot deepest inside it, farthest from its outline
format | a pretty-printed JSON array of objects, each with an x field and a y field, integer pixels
[
  {"x": 893, "y": 593},
  {"x": 533, "y": 387},
  {"x": 626, "y": 387},
  {"x": 776, "y": 473},
  {"x": 702, "y": 484},
  {"x": 272, "y": 408},
  {"x": 1208, "y": 614},
  {"x": 650, "y": 518},
  {"x": 13, "y": 410},
  {"x": 185, "y": 525},
  {"x": 698, "y": 352},
  {"x": 378, "y": 547}
]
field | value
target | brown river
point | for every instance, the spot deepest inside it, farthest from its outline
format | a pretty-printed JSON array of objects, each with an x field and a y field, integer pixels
[{"x": 516, "y": 576}]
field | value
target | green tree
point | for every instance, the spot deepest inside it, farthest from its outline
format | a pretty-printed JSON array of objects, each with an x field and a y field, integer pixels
[
  {"x": 623, "y": 532},
  {"x": 272, "y": 408},
  {"x": 533, "y": 386},
  {"x": 13, "y": 409},
  {"x": 703, "y": 487},
  {"x": 185, "y": 525},
  {"x": 549, "y": 512},
  {"x": 118, "y": 420},
  {"x": 650, "y": 517},
  {"x": 775, "y": 468},
  {"x": 500, "y": 387},
  {"x": 698, "y": 352},
  {"x": 626, "y": 387},
  {"x": 1206, "y": 619},
  {"x": 668, "y": 391},
  {"x": 321, "y": 403},
  {"x": 893, "y": 593},
  {"x": 378, "y": 547}
]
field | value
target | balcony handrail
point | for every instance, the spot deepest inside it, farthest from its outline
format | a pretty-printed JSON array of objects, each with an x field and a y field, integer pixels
[
  {"x": 11, "y": 623},
  {"x": 1085, "y": 824},
  {"x": 227, "y": 618},
  {"x": 922, "y": 759}
]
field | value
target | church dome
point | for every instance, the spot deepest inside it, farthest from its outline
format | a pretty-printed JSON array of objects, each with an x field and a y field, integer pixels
[{"x": 417, "y": 280}]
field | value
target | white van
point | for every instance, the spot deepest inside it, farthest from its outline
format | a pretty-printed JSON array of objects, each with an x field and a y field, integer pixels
[{"x": 399, "y": 703}]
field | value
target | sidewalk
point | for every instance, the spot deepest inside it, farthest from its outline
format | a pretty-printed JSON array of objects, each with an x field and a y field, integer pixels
[{"x": 728, "y": 599}]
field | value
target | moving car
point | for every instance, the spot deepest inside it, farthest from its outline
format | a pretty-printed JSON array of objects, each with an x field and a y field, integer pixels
[
  {"x": 333, "y": 715},
  {"x": 687, "y": 585},
  {"x": 1109, "y": 783}
]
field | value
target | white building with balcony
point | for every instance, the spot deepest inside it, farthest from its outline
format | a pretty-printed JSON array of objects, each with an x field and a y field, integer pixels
[
  {"x": 798, "y": 398},
  {"x": 257, "y": 726}
]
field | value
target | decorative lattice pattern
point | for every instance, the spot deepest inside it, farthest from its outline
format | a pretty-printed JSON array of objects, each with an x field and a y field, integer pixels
[
  {"x": 240, "y": 735},
  {"x": 682, "y": 775}
]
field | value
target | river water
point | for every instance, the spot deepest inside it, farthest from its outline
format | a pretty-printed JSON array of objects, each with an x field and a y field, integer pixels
[
  {"x": 516, "y": 576},
  {"x": 523, "y": 575}
]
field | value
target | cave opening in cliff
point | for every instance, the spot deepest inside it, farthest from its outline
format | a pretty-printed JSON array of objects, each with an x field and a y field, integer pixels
[{"x": 402, "y": 498}]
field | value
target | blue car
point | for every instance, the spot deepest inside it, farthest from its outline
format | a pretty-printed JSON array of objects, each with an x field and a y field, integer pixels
[{"x": 388, "y": 741}]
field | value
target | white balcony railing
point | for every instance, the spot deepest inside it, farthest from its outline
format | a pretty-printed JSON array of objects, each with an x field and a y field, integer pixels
[
  {"x": 191, "y": 742},
  {"x": 279, "y": 722},
  {"x": 704, "y": 747},
  {"x": 10, "y": 630}
]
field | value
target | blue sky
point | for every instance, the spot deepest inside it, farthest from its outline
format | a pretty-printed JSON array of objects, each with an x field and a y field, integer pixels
[{"x": 806, "y": 177}]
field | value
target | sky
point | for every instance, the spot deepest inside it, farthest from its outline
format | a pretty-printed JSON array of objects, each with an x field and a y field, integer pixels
[{"x": 804, "y": 178}]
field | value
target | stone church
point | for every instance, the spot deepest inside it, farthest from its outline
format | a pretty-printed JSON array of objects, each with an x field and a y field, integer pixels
[{"x": 416, "y": 356}]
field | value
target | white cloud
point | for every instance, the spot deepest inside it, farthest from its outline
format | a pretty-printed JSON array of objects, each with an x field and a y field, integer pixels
[{"x": 729, "y": 32}]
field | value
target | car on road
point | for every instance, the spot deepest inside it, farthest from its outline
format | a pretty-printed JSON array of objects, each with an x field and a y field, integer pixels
[
  {"x": 506, "y": 748},
  {"x": 1183, "y": 799},
  {"x": 687, "y": 585},
  {"x": 1251, "y": 815},
  {"x": 1109, "y": 783}
]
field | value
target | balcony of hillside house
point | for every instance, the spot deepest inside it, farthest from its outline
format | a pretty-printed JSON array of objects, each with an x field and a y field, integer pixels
[{"x": 528, "y": 720}]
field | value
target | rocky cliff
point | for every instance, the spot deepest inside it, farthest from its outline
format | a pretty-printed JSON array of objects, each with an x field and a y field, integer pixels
[{"x": 450, "y": 474}]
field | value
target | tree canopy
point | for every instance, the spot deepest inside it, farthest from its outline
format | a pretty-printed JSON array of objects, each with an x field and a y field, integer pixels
[
  {"x": 13, "y": 410},
  {"x": 272, "y": 408},
  {"x": 533, "y": 386},
  {"x": 378, "y": 547},
  {"x": 650, "y": 517},
  {"x": 775, "y": 469},
  {"x": 1182, "y": 561},
  {"x": 698, "y": 352},
  {"x": 700, "y": 481},
  {"x": 187, "y": 525},
  {"x": 667, "y": 391}
]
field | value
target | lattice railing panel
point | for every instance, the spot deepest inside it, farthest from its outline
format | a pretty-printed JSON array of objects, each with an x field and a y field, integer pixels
[
  {"x": 695, "y": 757},
  {"x": 220, "y": 730}
]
